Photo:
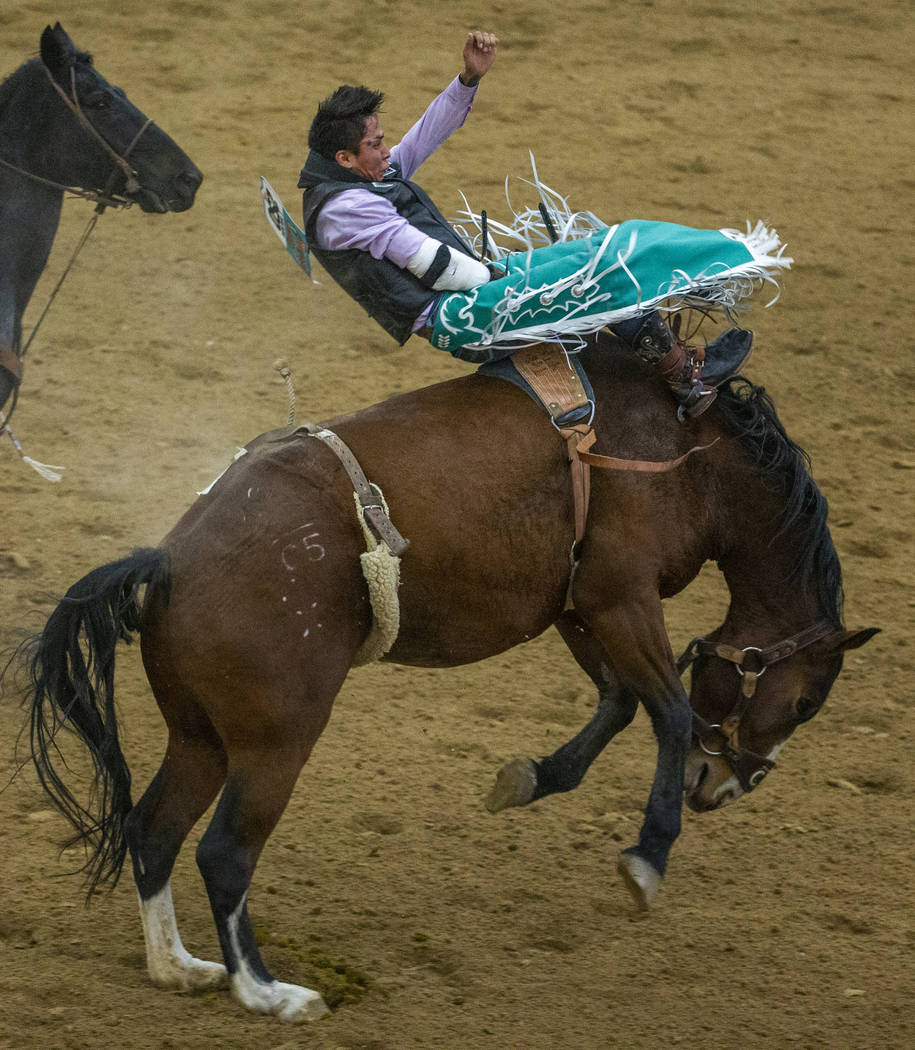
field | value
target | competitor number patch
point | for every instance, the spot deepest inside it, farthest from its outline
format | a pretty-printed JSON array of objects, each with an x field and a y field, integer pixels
[{"x": 285, "y": 227}]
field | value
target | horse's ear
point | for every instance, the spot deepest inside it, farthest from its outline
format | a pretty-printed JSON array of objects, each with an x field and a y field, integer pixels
[
  {"x": 57, "y": 49},
  {"x": 853, "y": 639}
]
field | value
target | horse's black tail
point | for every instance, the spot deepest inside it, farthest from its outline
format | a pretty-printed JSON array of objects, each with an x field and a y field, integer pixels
[{"x": 70, "y": 672}]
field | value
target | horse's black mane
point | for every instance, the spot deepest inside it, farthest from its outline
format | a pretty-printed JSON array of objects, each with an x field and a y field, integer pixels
[
  {"x": 747, "y": 412},
  {"x": 9, "y": 83}
]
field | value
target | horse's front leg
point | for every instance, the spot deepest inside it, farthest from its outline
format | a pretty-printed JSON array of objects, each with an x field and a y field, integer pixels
[
  {"x": 524, "y": 780},
  {"x": 636, "y": 642}
]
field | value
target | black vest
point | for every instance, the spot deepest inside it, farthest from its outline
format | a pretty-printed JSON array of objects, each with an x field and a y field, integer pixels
[{"x": 394, "y": 297}]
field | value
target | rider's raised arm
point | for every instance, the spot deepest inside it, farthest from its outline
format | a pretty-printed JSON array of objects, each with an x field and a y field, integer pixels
[{"x": 447, "y": 111}]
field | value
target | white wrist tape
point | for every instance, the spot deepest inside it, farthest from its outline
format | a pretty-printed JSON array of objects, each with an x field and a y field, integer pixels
[{"x": 460, "y": 273}]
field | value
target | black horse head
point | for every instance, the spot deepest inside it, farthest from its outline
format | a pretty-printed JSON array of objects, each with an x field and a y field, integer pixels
[
  {"x": 63, "y": 126},
  {"x": 100, "y": 141}
]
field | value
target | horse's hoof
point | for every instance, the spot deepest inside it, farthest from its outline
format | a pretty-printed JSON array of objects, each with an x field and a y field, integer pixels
[
  {"x": 642, "y": 880},
  {"x": 188, "y": 974},
  {"x": 288, "y": 1002},
  {"x": 205, "y": 976},
  {"x": 515, "y": 785},
  {"x": 302, "y": 1004}
]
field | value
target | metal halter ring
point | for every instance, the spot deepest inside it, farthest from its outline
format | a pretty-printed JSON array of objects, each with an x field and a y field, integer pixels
[
  {"x": 761, "y": 671},
  {"x": 707, "y": 750}
]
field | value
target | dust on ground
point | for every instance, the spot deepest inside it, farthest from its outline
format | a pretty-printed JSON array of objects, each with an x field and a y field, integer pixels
[{"x": 784, "y": 921}]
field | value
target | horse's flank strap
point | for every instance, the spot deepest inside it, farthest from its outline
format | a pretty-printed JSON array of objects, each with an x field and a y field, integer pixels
[{"x": 372, "y": 508}]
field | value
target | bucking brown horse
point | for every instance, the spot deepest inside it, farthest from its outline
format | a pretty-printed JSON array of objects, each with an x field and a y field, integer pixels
[{"x": 254, "y": 606}]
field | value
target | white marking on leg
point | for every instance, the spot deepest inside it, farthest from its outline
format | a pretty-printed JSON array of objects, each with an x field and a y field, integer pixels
[
  {"x": 169, "y": 963},
  {"x": 289, "y": 1002}
]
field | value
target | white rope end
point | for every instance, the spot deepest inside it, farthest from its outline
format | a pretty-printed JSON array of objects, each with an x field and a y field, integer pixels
[{"x": 48, "y": 472}]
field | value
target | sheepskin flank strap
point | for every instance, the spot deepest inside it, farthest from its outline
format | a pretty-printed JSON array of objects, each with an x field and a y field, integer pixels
[
  {"x": 381, "y": 570},
  {"x": 384, "y": 546},
  {"x": 373, "y": 510}
]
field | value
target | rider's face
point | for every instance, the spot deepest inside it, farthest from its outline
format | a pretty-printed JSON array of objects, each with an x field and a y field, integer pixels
[{"x": 372, "y": 159}]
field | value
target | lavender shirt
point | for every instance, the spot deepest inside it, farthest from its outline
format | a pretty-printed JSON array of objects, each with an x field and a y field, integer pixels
[{"x": 361, "y": 219}]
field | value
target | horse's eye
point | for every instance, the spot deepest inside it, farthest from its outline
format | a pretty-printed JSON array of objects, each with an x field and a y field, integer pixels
[{"x": 806, "y": 709}]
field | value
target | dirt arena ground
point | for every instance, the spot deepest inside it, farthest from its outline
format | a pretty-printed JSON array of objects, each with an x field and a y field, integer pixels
[{"x": 784, "y": 921}]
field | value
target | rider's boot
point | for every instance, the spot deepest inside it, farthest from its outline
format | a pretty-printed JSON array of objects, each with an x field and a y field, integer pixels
[{"x": 692, "y": 373}]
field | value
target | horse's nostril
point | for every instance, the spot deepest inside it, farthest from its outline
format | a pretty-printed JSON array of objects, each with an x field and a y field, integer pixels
[{"x": 191, "y": 178}]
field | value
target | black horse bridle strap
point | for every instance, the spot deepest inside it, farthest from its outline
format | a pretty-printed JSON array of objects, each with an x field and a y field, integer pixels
[
  {"x": 120, "y": 159},
  {"x": 105, "y": 198}
]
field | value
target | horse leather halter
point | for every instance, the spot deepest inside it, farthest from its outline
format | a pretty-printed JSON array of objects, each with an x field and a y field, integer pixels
[{"x": 751, "y": 664}]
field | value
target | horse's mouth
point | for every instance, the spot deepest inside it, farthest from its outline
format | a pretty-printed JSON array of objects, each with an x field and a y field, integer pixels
[
  {"x": 692, "y": 787},
  {"x": 179, "y": 197},
  {"x": 149, "y": 201},
  {"x": 699, "y": 796}
]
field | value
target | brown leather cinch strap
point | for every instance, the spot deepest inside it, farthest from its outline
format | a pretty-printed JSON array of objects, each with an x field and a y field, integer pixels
[
  {"x": 648, "y": 466},
  {"x": 578, "y": 439},
  {"x": 553, "y": 379}
]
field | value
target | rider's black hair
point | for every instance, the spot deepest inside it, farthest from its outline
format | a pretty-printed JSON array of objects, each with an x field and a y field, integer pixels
[{"x": 340, "y": 120}]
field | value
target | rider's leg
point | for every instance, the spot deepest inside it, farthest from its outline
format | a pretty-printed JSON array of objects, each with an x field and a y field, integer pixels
[{"x": 692, "y": 373}]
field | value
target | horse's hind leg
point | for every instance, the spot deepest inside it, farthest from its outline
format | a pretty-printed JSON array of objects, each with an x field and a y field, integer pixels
[
  {"x": 524, "y": 780},
  {"x": 188, "y": 780},
  {"x": 263, "y": 768}
]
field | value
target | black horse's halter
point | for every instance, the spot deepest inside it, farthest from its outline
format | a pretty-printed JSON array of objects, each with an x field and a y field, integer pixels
[{"x": 721, "y": 738}]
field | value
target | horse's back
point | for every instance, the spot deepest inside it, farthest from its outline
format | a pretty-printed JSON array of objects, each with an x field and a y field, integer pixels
[{"x": 475, "y": 477}]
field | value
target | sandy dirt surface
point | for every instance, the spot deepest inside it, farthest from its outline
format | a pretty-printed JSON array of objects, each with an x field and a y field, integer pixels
[{"x": 784, "y": 921}]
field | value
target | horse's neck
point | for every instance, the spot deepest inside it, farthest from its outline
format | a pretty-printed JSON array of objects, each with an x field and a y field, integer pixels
[
  {"x": 760, "y": 566},
  {"x": 29, "y": 209},
  {"x": 29, "y": 216},
  {"x": 31, "y": 128}
]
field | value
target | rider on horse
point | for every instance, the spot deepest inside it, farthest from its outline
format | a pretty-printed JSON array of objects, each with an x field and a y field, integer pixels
[{"x": 383, "y": 240}]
